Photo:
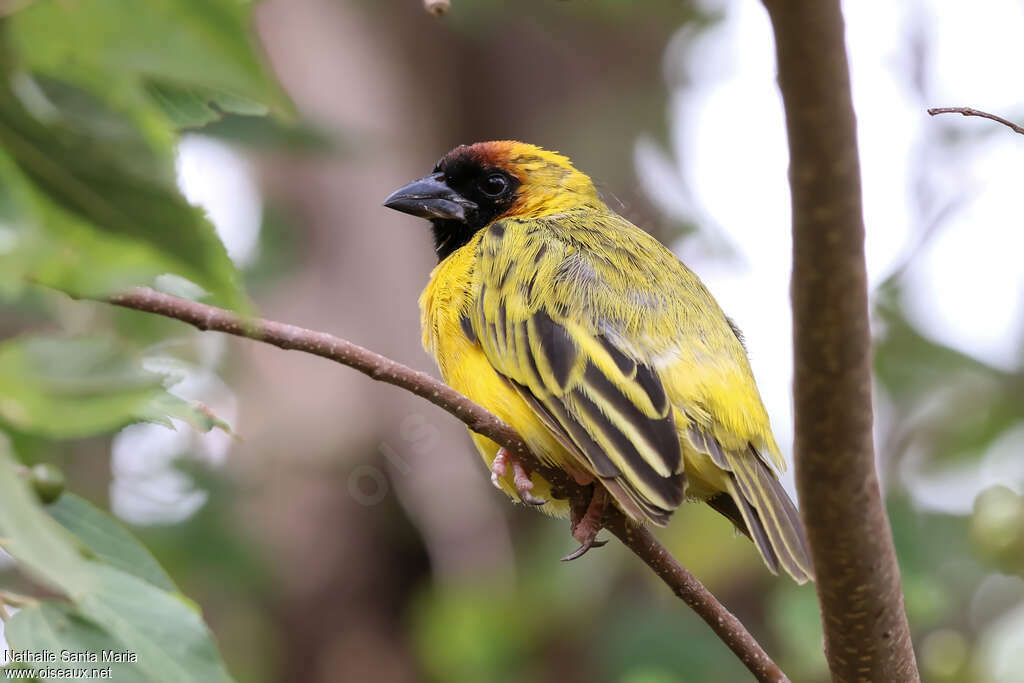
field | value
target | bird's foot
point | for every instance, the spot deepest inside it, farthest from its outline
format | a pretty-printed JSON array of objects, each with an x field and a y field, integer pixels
[
  {"x": 587, "y": 522},
  {"x": 520, "y": 476}
]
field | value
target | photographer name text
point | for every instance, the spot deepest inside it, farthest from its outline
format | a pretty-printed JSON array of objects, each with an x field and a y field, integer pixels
[{"x": 67, "y": 656}]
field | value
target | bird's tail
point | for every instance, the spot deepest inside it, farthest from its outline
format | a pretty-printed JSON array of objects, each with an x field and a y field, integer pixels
[{"x": 759, "y": 507}]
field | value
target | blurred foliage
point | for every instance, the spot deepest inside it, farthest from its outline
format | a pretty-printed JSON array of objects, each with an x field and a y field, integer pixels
[
  {"x": 61, "y": 388},
  {"x": 997, "y": 528},
  {"x": 267, "y": 134},
  {"x": 93, "y": 98},
  {"x": 89, "y": 176},
  {"x": 946, "y": 413},
  {"x": 108, "y": 607},
  {"x": 106, "y": 540},
  {"x": 118, "y": 47}
]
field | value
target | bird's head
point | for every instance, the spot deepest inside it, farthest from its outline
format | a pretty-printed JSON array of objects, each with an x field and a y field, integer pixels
[{"x": 474, "y": 185}]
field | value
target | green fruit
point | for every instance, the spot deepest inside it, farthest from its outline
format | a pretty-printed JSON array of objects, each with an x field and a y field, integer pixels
[
  {"x": 47, "y": 481},
  {"x": 997, "y": 527}
]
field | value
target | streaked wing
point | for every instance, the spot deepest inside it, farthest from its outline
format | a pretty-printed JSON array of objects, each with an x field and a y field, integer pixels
[{"x": 605, "y": 405}]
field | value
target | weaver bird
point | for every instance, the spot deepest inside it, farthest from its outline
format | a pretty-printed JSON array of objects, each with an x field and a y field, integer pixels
[{"x": 607, "y": 354}]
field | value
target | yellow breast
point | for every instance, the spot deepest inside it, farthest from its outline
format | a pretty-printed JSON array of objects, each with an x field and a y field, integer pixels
[{"x": 465, "y": 368}]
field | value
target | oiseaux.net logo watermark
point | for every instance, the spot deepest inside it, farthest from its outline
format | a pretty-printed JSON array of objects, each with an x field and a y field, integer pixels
[{"x": 368, "y": 484}]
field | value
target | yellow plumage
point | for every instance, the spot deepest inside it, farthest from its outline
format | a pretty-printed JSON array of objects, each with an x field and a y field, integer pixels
[{"x": 603, "y": 350}]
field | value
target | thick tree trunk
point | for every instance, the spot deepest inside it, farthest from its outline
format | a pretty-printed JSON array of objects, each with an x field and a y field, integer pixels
[{"x": 867, "y": 637}]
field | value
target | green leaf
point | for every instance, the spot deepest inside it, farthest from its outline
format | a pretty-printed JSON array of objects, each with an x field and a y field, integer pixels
[
  {"x": 195, "y": 107},
  {"x": 17, "y": 234},
  {"x": 41, "y": 242},
  {"x": 55, "y": 101},
  {"x": 35, "y": 539},
  {"x": 163, "y": 629},
  {"x": 168, "y": 635},
  {"x": 197, "y": 414},
  {"x": 77, "y": 387},
  {"x": 50, "y": 626},
  {"x": 237, "y": 120},
  {"x": 100, "y": 43},
  {"x": 93, "y": 172},
  {"x": 108, "y": 541},
  {"x": 269, "y": 134}
]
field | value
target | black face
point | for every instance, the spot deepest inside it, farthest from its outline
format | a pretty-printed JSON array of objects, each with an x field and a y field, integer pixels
[{"x": 460, "y": 197}]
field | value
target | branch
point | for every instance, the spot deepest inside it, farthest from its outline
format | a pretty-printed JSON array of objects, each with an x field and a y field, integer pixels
[
  {"x": 638, "y": 539},
  {"x": 967, "y": 111},
  {"x": 867, "y": 637}
]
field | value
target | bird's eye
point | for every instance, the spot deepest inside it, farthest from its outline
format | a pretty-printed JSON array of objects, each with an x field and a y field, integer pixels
[{"x": 494, "y": 185}]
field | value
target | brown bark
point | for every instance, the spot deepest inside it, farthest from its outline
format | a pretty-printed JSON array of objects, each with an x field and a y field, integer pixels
[
  {"x": 638, "y": 539},
  {"x": 969, "y": 111},
  {"x": 867, "y": 637}
]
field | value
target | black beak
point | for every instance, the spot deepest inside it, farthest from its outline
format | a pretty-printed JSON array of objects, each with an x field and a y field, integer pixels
[{"x": 430, "y": 197}]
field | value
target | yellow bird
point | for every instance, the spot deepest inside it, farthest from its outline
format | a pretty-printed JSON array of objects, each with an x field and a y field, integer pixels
[{"x": 604, "y": 351}]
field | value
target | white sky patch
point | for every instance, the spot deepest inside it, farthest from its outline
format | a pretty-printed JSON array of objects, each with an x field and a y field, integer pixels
[
  {"x": 728, "y": 147},
  {"x": 217, "y": 178},
  {"x": 967, "y": 289},
  {"x": 977, "y": 49},
  {"x": 147, "y": 486},
  {"x": 1001, "y": 646}
]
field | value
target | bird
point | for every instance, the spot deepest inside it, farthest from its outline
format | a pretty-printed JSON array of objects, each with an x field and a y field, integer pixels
[{"x": 599, "y": 346}]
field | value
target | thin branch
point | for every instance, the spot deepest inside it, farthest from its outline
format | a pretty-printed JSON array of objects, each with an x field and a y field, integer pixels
[
  {"x": 967, "y": 111},
  {"x": 16, "y": 599},
  {"x": 867, "y": 637},
  {"x": 638, "y": 539},
  {"x": 333, "y": 348}
]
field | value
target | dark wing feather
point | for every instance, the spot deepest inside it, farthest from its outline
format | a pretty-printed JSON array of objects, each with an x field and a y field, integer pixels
[
  {"x": 606, "y": 407},
  {"x": 758, "y": 505}
]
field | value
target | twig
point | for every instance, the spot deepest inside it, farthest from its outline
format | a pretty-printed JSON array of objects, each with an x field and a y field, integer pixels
[
  {"x": 16, "y": 599},
  {"x": 333, "y": 348},
  {"x": 967, "y": 111},
  {"x": 437, "y": 7},
  {"x": 638, "y": 539},
  {"x": 867, "y": 637}
]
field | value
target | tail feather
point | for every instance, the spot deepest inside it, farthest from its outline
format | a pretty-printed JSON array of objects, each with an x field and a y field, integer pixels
[
  {"x": 788, "y": 520},
  {"x": 746, "y": 520},
  {"x": 768, "y": 516}
]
